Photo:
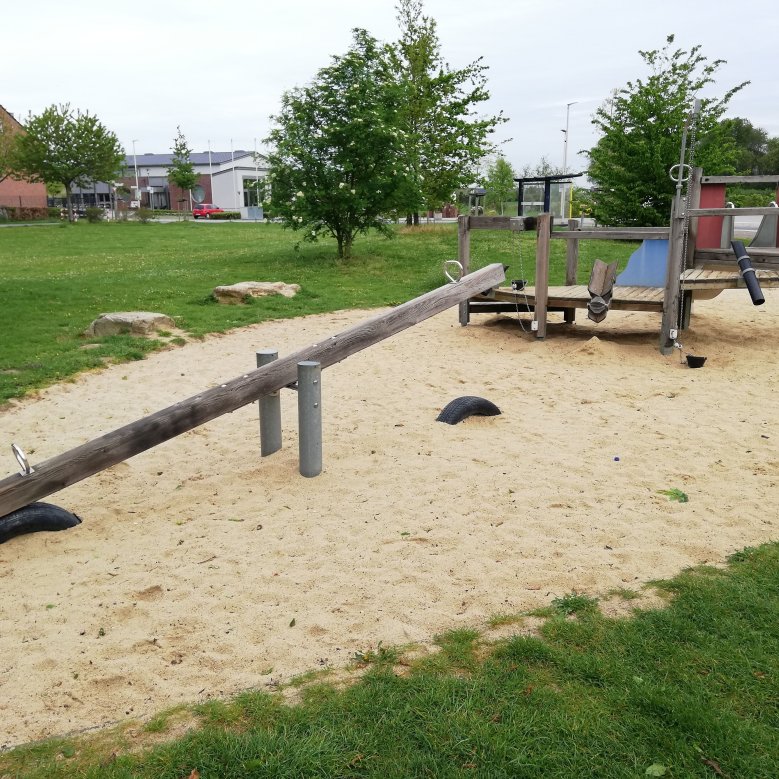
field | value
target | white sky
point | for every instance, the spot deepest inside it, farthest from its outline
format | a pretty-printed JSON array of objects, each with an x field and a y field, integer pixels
[{"x": 218, "y": 68}]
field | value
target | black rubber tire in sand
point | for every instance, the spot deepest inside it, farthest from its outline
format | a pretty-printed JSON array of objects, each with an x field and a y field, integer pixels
[
  {"x": 35, "y": 517},
  {"x": 467, "y": 406}
]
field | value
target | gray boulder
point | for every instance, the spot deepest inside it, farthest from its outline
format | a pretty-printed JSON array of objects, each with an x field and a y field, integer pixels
[
  {"x": 133, "y": 322},
  {"x": 235, "y": 293}
]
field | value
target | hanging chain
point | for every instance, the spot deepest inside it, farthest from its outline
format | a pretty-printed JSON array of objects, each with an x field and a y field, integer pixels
[{"x": 524, "y": 281}]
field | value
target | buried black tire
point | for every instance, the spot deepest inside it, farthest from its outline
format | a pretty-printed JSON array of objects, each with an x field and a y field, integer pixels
[
  {"x": 34, "y": 518},
  {"x": 467, "y": 406}
]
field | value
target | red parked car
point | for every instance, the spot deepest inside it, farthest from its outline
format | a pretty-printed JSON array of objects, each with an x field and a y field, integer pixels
[{"x": 205, "y": 210}]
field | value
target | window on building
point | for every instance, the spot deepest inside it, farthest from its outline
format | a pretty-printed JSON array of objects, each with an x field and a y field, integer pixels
[{"x": 253, "y": 190}]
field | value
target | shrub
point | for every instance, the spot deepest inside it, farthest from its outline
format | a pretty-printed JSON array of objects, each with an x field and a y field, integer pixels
[
  {"x": 25, "y": 213},
  {"x": 94, "y": 214},
  {"x": 144, "y": 215},
  {"x": 750, "y": 197},
  {"x": 54, "y": 212},
  {"x": 226, "y": 215}
]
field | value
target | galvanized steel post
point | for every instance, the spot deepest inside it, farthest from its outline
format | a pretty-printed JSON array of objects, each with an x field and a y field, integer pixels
[
  {"x": 270, "y": 410},
  {"x": 310, "y": 417}
]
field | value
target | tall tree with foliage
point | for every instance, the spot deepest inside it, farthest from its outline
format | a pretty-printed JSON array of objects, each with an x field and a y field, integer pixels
[
  {"x": 500, "y": 183},
  {"x": 641, "y": 130},
  {"x": 336, "y": 163},
  {"x": 751, "y": 145},
  {"x": 445, "y": 137},
  {"x": 771, "y": 160},
  {"x": 181, "y": 171},
  {"x": 67, "y": 147}
]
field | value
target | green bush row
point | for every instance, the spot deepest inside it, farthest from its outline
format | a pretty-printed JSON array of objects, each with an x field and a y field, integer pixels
[
  {"x": 750, "y": 197},
  {"x": 25, "y": 213},
  {"x": 226, "y": 215}
]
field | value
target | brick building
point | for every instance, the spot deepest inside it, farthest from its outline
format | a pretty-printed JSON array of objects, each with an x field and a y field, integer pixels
[{"x": 19, "y": 194}]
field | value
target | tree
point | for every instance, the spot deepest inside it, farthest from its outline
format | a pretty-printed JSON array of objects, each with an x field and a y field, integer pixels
[
  {"x": 444, "y": 137},
  {"x": 336, "y": 163},
  {"x": 500, "y": 183},
  {"x": 751, "y": 145},
  {"x": 771, "y": 162},
  {"x": 64, "y": 147},
  {"x": 181, "y": 171},
  {"x": 641, "y": 130},
  {"x": 542, "y": 168}
]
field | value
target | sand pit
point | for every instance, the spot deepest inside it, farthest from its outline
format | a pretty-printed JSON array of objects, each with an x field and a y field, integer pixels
[{"x": 195, "y": 557}]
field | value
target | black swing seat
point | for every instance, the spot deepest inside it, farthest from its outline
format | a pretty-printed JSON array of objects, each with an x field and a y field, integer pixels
[{"x": 601, "y": 289}]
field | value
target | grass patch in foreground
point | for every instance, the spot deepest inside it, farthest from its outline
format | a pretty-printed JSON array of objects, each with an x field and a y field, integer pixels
[
  {"x": 690, "y": 690},
  {"x": 55, "y": 281}
]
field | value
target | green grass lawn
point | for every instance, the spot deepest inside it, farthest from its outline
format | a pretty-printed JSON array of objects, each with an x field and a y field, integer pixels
[
  {"x": 689, "y": 690},
  {"x": 56, "y": 280}
]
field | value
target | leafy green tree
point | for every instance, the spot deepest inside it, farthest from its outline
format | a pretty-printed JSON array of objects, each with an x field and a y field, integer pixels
[
  {"x": 641, "y": 129},
  {"x": 181, "y": 171},
  {"x": 542, "y": 168},
  {"x": 771, "y": 161},
  {"x": 444, "y": 135},
  {"x": 336, "y": 163},
  {"x": 751, "y": 145},
  {"x": 500, "y": 183},
  {"x": 62, "y": 146}
]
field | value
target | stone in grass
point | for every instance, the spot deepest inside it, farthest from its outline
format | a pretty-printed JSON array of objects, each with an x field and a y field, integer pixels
[
  {"x": 132, "y": 322},
  {"x": 236, "y": 293}
]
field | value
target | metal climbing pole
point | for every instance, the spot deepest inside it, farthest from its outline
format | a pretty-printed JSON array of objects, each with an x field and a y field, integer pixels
[{"x": 677, "y": 248}]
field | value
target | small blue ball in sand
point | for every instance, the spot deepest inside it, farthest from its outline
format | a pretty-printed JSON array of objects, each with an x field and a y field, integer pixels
[{"x": 616, "y": 459}]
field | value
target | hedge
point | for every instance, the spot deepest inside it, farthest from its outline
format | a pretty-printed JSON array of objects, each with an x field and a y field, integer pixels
[{"x": 23, "y": 213}]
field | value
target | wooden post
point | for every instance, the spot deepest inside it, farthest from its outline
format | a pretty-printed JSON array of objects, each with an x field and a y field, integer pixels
[
  {"x": 464, "y": 257},
  {"x": 670, "y": 319},
  {"x": 119, "y": 445},
  {"x": 571, "y": 267},
  {"x": 542, "y": 273},
  {"x": 695, "y": 202}
]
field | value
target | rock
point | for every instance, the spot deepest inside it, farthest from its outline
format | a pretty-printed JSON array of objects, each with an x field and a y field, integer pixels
[
  {"x": 235, "y": 293},
  {"x": 133, "y": 322}
]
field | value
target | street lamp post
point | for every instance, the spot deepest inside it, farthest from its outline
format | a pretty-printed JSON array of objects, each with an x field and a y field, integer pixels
[
  {"x": 565, "y": 155},
  {"x": 135, "y": 165}
]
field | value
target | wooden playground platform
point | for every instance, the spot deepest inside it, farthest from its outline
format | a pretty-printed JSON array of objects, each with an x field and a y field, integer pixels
[
  {"x": 702, "y": 283},
  {"x": 706, "y": 268}
]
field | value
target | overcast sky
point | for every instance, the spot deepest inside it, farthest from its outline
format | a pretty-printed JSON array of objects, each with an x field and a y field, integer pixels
[{"x": 218, "y": 68}]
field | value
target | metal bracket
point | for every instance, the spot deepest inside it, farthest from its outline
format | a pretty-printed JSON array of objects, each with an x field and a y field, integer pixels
[
  {"x": 448, "y": 275},
  {"x": 680, "y": 178},
  {"x": 21, "y": 458}
]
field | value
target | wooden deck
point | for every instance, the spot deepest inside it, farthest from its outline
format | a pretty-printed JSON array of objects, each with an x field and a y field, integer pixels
[
  {"x": 695, "y": 280},
  {"x": 705, "y": 278},
  {"x": 578, "y": 296}
]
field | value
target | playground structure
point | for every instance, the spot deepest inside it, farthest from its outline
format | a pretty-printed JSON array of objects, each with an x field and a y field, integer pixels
[
  {"x": 36, "y": 482},
  {"x": 690, "y": 260}
]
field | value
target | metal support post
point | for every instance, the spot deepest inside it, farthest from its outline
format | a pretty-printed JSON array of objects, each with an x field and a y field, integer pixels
[
  {"x": 270, "y": 410},
  {"x": 310, "y": 417}
]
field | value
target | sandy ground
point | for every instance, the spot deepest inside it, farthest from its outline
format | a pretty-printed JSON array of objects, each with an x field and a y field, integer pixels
[{"x": 195, "y": 557}]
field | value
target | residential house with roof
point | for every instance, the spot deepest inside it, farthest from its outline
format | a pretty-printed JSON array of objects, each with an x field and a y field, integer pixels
[{"x": 18, "y": 194}]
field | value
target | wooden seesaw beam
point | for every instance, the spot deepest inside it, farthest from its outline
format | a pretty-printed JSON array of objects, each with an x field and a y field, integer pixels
[{"x": 65, "y": 469}]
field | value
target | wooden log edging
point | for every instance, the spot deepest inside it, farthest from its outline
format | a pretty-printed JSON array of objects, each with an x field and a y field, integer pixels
[{"x": 65, "y": 469}]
